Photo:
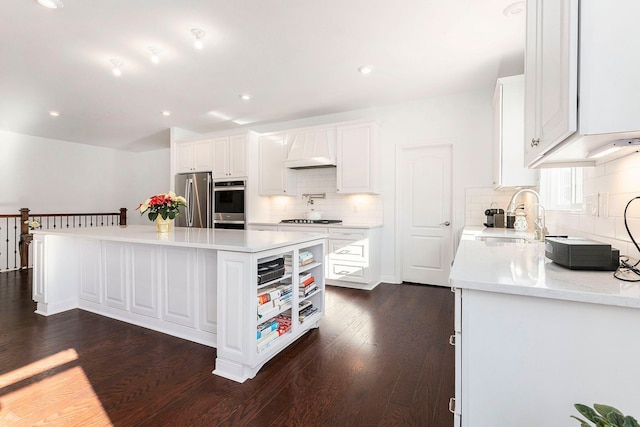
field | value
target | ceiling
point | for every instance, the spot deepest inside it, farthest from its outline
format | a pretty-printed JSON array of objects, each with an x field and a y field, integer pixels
[{"x": 297, "y": 59}]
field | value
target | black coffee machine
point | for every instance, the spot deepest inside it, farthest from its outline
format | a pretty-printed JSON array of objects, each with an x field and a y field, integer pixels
[{"x": 495, "y": 218}]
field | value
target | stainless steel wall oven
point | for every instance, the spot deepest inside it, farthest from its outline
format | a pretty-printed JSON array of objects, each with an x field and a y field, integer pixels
[{"x": 229, "y": 200}]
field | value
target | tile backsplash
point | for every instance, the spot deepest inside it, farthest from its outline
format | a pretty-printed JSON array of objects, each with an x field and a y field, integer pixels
[
  {"x": 478, "y": 199},
  {"x": 607, "y": 189},
  {"x": 360, "y": 208}
]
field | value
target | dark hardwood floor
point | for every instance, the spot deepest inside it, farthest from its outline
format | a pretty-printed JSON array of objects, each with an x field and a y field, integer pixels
[{"x": 379, "y": 358}]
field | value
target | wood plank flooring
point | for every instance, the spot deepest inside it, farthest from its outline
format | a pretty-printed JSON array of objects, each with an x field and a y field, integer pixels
[{"x": 379, "y": 358}]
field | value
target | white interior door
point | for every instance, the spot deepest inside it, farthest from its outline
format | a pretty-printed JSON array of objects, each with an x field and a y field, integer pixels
[{"x": 425, "y": 214}]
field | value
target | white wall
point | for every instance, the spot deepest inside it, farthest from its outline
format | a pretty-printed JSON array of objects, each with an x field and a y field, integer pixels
[
  {"x": 617, "y": 181},
  {"x": 53, "y": 176}
]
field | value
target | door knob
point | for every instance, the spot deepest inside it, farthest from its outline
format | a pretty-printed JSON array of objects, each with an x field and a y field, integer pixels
[{"x": 446, "y": 223}]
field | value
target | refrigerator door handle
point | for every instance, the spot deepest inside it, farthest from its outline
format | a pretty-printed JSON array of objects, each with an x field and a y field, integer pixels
[
  {"x": 209, "y": 201},
  {"x": 189, "y": 196}
]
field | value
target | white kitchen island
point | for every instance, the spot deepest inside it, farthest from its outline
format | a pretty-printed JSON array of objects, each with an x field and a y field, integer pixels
[
  {"x": 533, "y": 338},
  {"x": 196, "y": 284}
]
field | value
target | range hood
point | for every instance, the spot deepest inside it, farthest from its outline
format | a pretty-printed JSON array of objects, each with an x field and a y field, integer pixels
[{"x": 312, "y": 149}]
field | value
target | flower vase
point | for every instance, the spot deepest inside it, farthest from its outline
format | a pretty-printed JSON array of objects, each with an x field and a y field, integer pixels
[{"x": 163, "y": 225}]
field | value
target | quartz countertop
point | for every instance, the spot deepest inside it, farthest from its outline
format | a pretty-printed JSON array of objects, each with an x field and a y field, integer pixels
[
  {"x": 522, "y": 269},
  {"x": 205, "y": 238},
  {"x": 341, "y": 225}
]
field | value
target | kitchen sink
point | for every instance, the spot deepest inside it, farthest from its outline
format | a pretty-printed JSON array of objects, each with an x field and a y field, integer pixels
[{"x": 503, "y": 239}]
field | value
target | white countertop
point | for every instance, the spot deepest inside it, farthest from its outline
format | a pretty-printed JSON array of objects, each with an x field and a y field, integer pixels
[
  {"x": 341, "y": 225},
  {"x": 523, "y": 269},
  {"x": 205, "y": 238}
]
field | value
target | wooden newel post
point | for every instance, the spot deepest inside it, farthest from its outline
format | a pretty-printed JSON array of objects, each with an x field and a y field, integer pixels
[
  {"x": 123, "y": 216},
  {"x": 25, "y": 238}
]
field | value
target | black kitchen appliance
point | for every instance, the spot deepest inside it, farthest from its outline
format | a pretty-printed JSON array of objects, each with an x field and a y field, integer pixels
[
  {"x": 270, "y": 270},
  {"x": 311, "y": 221},
  {"x": 495, "y": 218},
  {"x": 577, "y": 253},
  {"x": 229, "y": 204}
]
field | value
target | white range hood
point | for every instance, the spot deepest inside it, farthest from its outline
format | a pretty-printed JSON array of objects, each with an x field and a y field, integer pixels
[{"x": 312, "y": 149}]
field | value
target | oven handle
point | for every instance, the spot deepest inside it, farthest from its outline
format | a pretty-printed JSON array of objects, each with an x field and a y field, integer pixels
[{"x": 228, "y": 188}]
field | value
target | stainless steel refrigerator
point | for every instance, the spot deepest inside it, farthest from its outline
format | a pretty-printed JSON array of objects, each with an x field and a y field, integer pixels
[{"x": 196, "y": 189}]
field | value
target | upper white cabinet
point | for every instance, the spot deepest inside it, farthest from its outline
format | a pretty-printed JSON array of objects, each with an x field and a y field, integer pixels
[
  {"x": 358, "y": 159},
  {"x": 508, "y": 135},
  {"x": 274, "y": 178},
  {"x": 564, "y": 41},
  {"x": 229, "y": 156},
  {"x": 194, "y": 156}
]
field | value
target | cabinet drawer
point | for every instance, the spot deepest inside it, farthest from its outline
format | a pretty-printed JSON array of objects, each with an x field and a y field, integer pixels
[
  {"x": 348, "y": 250},
  {"x": 352, "y": 272},
  {"x": 347, "y": 233}
]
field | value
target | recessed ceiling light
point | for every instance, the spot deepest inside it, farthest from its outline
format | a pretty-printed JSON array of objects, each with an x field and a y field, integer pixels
[
  {"x": 51, "y": 4},
  {"x": 245, "y": 96},
  {"x": 54, "y": 113},
  {"x": 365, "y": 69},
  {"x": 117, "y": 66},
  {"x": 155, "y": 54},
  {"x": 513, "y": 9},
  {"x": 166, "y": 113},
  {"x": 198, "y": 35}
]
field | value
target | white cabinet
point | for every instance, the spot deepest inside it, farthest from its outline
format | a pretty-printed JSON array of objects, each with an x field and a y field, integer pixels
[
  {"x": 358, "y": 159},
  {"x": 354, "y": 257},
  {"x": 508, "y": 135},
  {"x": 194, "y": 156},
  {"x": 275, "y": 178},
  {"x": 510, "y": 343},
  {"x": 564, "y": 41},
  {"x": 229, "y": 156},
  {"x": 551, "y": 71}
]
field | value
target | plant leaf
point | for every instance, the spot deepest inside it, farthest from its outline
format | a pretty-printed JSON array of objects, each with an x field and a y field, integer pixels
[
  {"x": 630, "y": 422},
  {"x": 588, "y": 412},
  {"x": 605, "y": 410},
  {"x": 615, "y": 419},
  {"x": 583, "y": 423}
]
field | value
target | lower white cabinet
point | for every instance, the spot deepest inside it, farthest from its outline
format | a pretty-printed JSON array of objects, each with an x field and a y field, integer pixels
[
  {"x": 354, "y": 257},
  {"x": 523, "y": 360}
]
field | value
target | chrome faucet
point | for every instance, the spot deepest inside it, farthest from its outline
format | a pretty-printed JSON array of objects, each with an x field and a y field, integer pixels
[{"x": 539, "y": 223}]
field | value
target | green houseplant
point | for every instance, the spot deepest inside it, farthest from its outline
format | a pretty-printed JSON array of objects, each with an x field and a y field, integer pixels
[{"x": 604, "y": 416}]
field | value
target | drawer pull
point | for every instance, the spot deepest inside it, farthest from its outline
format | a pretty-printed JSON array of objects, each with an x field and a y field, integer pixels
[
  {"x": 343, "y": 272},
  {"x": 344, "y": 252},
  {"x": 452, "y": 339}
]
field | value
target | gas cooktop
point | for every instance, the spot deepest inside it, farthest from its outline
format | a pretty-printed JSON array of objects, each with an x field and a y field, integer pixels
[{"x": 311, "y": 221}]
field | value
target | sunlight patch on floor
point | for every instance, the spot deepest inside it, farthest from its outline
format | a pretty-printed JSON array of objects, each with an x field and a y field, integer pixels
[{"x": 61, "y": 395}]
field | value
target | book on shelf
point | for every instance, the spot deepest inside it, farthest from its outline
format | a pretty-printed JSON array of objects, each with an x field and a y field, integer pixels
[
  {"x": 267, "y": 339},
  {"x": 304, "y": 258},
  {"x": 304, "y": 304},
  {"x": 267, "y": 327},
  {"x": 307, "y": 312},
  {"x": 309, "y": 280},
  {"x": 308, "y": 290}
]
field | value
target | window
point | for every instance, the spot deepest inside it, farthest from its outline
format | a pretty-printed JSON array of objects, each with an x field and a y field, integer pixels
[{"x": 561, "y": 189}]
